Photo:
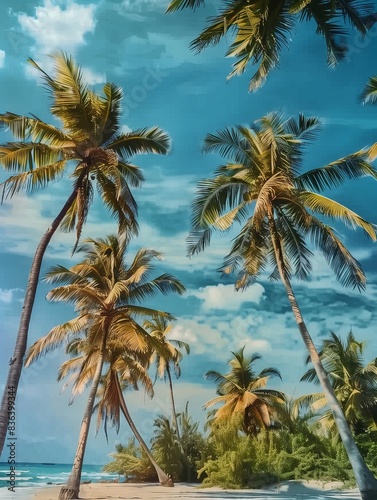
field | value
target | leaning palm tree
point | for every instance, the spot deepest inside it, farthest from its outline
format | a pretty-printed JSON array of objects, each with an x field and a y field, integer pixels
[
  {"x": 261, "y": 30},
  {"x": 126, "y": 371},
  {"x": 106, "y": 293},
  {"x": 168, "y": 354},
  {"x": 91, "y": 145},
  {"x": 243, "y": 392},
  {"x": 354, "y": 383},
  {"x": 263, "y": 186}
]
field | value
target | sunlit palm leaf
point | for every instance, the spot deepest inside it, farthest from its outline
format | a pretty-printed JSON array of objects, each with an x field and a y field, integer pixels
[
  {"x": 146, "y": 140},
  {"x": 330, "y": 208}
]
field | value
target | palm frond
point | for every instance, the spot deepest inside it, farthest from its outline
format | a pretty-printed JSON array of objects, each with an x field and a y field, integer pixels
[
  {"x": 182, "y": 4},
  {"x": 55, "y": 338},
  {"x": 27, "y": 156},
  {"x": 334, "y": 174},
  {"x": 166, "y": 283},
  {"x": 346, "y": 268},
  {"x": 32, "y": 180},
  {"x": 110, "y": 112},
  {"x": 330, "y": 208},
  {"x": 229, "y": 143},
  {"x": 141, "y": 141}
]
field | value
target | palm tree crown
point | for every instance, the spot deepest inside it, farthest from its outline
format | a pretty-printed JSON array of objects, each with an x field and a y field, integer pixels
[
  {"x": 103, "y": 287},
  {"x": 90, "y": 141},
  {"x": 261, "y": 30},
  {"x": 264, "y": 182},
  {"x": 242, "y": 392}
]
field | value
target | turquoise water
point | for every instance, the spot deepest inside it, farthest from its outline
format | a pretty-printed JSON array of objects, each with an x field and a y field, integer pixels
[{"x": 33, "y": 474}]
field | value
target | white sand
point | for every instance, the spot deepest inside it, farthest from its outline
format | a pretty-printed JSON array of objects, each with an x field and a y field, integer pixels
[{"x": 305, "y": 490}]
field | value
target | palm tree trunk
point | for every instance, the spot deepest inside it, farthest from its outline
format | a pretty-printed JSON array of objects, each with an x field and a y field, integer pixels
[
  {"x": 174, "y": 413},
  {"x": 365, "y": 480},
  {"x": 16, "y": 361},
  {"x": 163, "y": 478},
  {"x": 72, "y": 487}
]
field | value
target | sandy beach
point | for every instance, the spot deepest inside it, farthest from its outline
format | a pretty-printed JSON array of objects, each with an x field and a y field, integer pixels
[{"x": 290, "y": 489}]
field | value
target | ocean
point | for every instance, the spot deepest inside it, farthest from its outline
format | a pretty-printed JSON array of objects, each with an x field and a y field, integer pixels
[{"x": 28, "y": 474}]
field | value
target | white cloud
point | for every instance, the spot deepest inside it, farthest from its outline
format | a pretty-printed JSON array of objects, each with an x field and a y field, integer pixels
[
  {"x": 201, "y": 336},
  {"x": 92, "y": 77},
  {"x": 125, "y": 129},
  {"x": 6, "y": 296},
  {"x": 142, "y": 5},
  {"x": 2, "y": 58},
  {"x": 225, "y": 297},
  {"x": 57, "y": 28}
]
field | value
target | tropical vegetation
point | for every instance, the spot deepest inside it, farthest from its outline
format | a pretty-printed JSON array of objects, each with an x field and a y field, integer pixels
[{"x": 297, "y": 446}]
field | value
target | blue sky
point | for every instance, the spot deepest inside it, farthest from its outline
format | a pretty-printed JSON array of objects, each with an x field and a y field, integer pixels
[{"x": 134, "y": 44}]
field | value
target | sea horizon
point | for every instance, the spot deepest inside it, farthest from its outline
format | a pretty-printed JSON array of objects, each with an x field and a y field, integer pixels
[{"x": 40, "y": 474}]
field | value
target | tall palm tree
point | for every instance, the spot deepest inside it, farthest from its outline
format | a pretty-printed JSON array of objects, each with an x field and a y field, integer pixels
[
  {"x": 354, "y": 384},
  {"x": 91, "y": 145},
  {"x": 242, "y": 391},
  {"x": 263, "y": 186},
  {"x": 261, "y": 30},
  {"x": 166, "y": 355},
  {"x": 106, "y": 293}
]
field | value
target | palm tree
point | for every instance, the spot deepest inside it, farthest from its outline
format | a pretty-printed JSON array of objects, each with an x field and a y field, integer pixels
[
  {"x": 166, "y": 446},
  {"x": 106, "y": 293},
  {"x": 91, "y": 142},
  {"x": 168, "y": 354},
  {"x": 354, "y": 384},
  {"x": 125, "y": 371},
  {"x": 261, "y": 30},
  {"x": 263, "y": 187},
  {"x": 242, "y": 391}
]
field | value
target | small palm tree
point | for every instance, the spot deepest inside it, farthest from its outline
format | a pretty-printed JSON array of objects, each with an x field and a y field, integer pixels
[
  {"x": 166, "y": 446},
  {"x": 91, "y": 145},
  {"x": 165, "y": 355},
  {"x": 243, "y": 392},
  {"x": 264, "y": 187},
  {"x": 261, "y": 30},
  {"x": 355, "y": 384},
  {"x": 106, "y": 294}
]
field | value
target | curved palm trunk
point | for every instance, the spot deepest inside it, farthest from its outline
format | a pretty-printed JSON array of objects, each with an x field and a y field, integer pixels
[
  {"x": 72, "y": 487},
  {"x": 163, "y": 478},
  {"x": 16, "y": 361},
  {"x": 365, "y": 480}
]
